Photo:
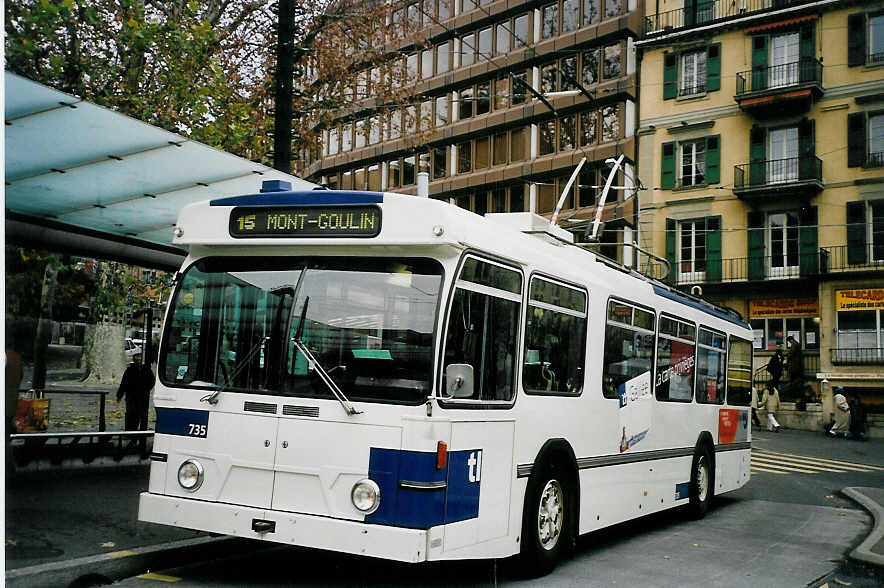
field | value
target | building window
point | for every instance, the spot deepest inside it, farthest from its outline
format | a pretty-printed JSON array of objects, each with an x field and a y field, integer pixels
[
  {"x": 862, "y": 329},
  {"x": 693, "y": 163},
  {"x": 570, "y": 15},
  {"x": 443, "y": 57},
  {"x": 568, "y": 69},
  {"x": 483, "y": 98},
  {"x": 333, "y": 143},
  {"x": 467, "y": 49},
  {"x": 567, "y": 133},
  {"x": 522, "y": 36},
  {"x": 519, "y": 144},
  {"x": 501, "y": 93},
  {"x": 464, "y": 157},
  {"x": 548, "y": 76},
  {"x": 485, "y": 43},
  {"x": 876, "y": 39},
  {"x": 613, "y": 8},
  {"x": 547, "y": 136},
  {"x": 442, "y": 110},
  {"x": 444, "y": 7},
  {"x": 394, "y": 178},
  {"x": 610, "y": 123},
  {"x": 783, "y": 244},
  {"x": 360, "y": 134},
  {"x": 589, "y": 131},
  {"x": 501, "y": 142},
  {"x": 468, "y": 5},
  {"x": 482, "y": 154},
  {"x": 466, "y": 103},
  {"x": 520, "y": 80},
  {"x": 586, "y": 187},
  {"x": 876, "y": 140},
  {"x": 771, "y": 333},
  {"x": 612, "y": 61},
  {"x": 876, "y": 228},
  {"x": 591, "y": 11},
  {"x": 692, "y": 250},
  {"x": 440, "y": 162},
  {"x": 550, "y": 23},
  {"x": 502, "y": 39},
  {"x": 693, "y": 73}
]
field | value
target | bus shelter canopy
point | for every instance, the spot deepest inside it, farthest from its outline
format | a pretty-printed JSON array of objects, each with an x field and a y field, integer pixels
[{"x": 85, "y": 180}]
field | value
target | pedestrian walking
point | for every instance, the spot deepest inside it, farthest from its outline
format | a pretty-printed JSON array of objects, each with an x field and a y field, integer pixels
[
  {"x": 771, "y": 401},
  {"x": 755, "y": 406},
  {"x": 795, "y": 361},
  {"x": 775, "y": 368},
  {"x": 841, "y": 425},
  {"x": 137, "y": 382},
  {"x": 857, "y": 418}
]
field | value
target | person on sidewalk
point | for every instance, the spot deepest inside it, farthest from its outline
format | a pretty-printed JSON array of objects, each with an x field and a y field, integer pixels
[
  {"x": 775, "y": 368},
  {"x": 841, "y": 425},
  {"x": 755, "y": 406},
  {"x": 771, "y": 401},
  {"x": 857, "y": 418},
  {"x": 137, "y": 382}
]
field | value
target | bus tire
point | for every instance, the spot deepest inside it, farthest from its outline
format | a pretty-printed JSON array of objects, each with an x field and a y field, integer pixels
[
  {"x": 548, "y": 520},
  {"x": 702, "y": 485}
]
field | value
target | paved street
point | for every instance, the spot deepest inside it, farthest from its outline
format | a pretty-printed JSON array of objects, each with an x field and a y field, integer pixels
[{"x": 788, "y": 527}]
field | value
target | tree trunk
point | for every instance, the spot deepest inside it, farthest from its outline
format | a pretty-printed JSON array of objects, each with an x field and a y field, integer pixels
[
  {"x": 103, "y": 353},
  {"x": 44, "y": 325}
]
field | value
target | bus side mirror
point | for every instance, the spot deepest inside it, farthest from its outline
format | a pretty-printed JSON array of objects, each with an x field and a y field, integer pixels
[{"x": 459, "y": 380}]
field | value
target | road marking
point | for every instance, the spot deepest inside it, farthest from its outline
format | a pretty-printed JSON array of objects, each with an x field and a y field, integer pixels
[
  {"x": 859, "y": 467},
  {"x": 785, "y": 461},
  {"x": 782, "y": 467},
  {"x": 761, "y": 469},
  {"x": 159, "y": 577},
  {"x": 121, "y": 553}
]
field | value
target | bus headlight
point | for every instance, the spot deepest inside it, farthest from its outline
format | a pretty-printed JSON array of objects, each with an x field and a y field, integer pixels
[
  {"x": 366, "y": 496},
  {"x": 190, "y": 475}
]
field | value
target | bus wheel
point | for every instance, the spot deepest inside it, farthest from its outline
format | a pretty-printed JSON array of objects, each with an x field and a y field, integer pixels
[
  {"x": 702, "y": 483},
  {"x": 546, "y": 524}
]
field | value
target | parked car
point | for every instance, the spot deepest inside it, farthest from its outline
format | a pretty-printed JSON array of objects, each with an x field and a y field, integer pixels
[{"x": 132, "y": 347}]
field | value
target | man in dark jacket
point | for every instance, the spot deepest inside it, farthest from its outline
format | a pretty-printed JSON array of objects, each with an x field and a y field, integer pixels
[{"x": 138, "y": 380}]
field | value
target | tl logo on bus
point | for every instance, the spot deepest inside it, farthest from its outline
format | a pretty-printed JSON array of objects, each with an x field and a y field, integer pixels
[{"x": 474, "y": 467}]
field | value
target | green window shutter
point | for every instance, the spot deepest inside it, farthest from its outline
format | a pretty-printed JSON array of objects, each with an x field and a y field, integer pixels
[
  {"x": 856, "y": 39},
  {"x": 755, "y": 224},
  {"x": 808, "y": 245},
  {"x": 856, "y": 139},
  {"x": 759, "y": 63},
  {"x": 670, "y": 75},
  {"x": 713, "y": 248},
  {"x": 806, "y": 69},
  {"x": 690, "y": 14},
  {"x": 670, "y": 251},
  {"x": 713, "y": 160},
  {"x": 856, "y": 233},
  {"x": 806, "y": 150},
  {"x": 757, "y": 138},
  {"x": 667, "y": 166},
  {"x": 713, "y": 67}
]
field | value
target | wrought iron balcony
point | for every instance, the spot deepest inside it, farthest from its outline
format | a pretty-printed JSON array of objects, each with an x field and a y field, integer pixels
[
  {"x": 800, "y": 176},
  {"x": 790, "y": 265},
  {"x": 712, "y": 11},
  {"x": 858, "y": 356},
  {"x": 765, "y": 91}
]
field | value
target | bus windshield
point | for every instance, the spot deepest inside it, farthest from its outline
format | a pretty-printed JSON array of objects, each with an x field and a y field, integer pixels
[{"x": 368, "y": 322}]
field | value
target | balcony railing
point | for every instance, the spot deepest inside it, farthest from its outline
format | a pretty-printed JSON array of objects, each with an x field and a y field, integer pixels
[
  {"x": 778, "y": 77},
  {"x": 778, "y": 172},
  {"x": 701, "y": 13},
  {"x": 875, "y": 159},
  {"x": 793, "y": 389},
  {"x": 858, "y": 356},
  {"x": 792, "y": 265}
]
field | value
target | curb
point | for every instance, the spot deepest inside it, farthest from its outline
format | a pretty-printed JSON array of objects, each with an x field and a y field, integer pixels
[
  {"x": 125, "y": 564},
  {"x": 864, "y": 551}
]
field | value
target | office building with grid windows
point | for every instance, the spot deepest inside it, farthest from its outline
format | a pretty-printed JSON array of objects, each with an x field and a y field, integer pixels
[{"x": 507, "y": 98}]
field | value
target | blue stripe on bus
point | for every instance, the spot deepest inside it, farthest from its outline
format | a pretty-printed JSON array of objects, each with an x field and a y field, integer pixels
[
  {"x": 426, "y": 507},
  {"x": 305, "y": 198},
  {"x": 682, "y": 490},
  {"x": 694, "y": 304},
  {"x": 181, "y": 421}
]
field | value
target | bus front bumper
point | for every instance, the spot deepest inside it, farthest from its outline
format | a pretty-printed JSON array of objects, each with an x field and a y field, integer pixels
[{"x": 396, "y": 543}]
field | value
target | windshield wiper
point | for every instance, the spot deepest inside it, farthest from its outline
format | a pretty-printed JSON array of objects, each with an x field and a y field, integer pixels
[
  {"x": 213, "y": 397},
  {"x": 323, "y": 374}
]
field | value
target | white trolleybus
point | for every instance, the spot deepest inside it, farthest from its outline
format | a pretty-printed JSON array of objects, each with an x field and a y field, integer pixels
[{"x": 393, "y": 376}]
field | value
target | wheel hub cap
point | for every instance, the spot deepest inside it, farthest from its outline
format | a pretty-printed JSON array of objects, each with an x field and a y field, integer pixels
[
  {"x": 702, "y": 479},
  {"x": 550, "y": 515}
]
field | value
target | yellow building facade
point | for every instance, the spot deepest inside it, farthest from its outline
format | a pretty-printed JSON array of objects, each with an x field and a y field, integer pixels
[{"x": 760, "y": 146}]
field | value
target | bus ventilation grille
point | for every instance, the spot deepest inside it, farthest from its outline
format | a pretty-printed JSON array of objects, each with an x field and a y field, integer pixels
[
  {"x": 260, "y": 407},
  {"x": 308, "y": 411}
]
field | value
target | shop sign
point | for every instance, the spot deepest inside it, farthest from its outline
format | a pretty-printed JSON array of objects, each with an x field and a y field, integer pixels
[
  {"x": 768, "y": 307},
  {"x": 867, "y": 299}
]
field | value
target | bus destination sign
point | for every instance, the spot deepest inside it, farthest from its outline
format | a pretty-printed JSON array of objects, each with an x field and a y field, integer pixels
[{"x": 305, "y": 221}]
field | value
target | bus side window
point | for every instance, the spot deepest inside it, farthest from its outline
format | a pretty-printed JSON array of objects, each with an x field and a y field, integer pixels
[
  {"x": 483, "y": 328},
  {"x": 739, "y": 372},
  {"x": 676, "y": 345},
  {"x": 555, "y": 339},
  {"x": 710, "y": 367},
  {"x": 629, "y": 347}
]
